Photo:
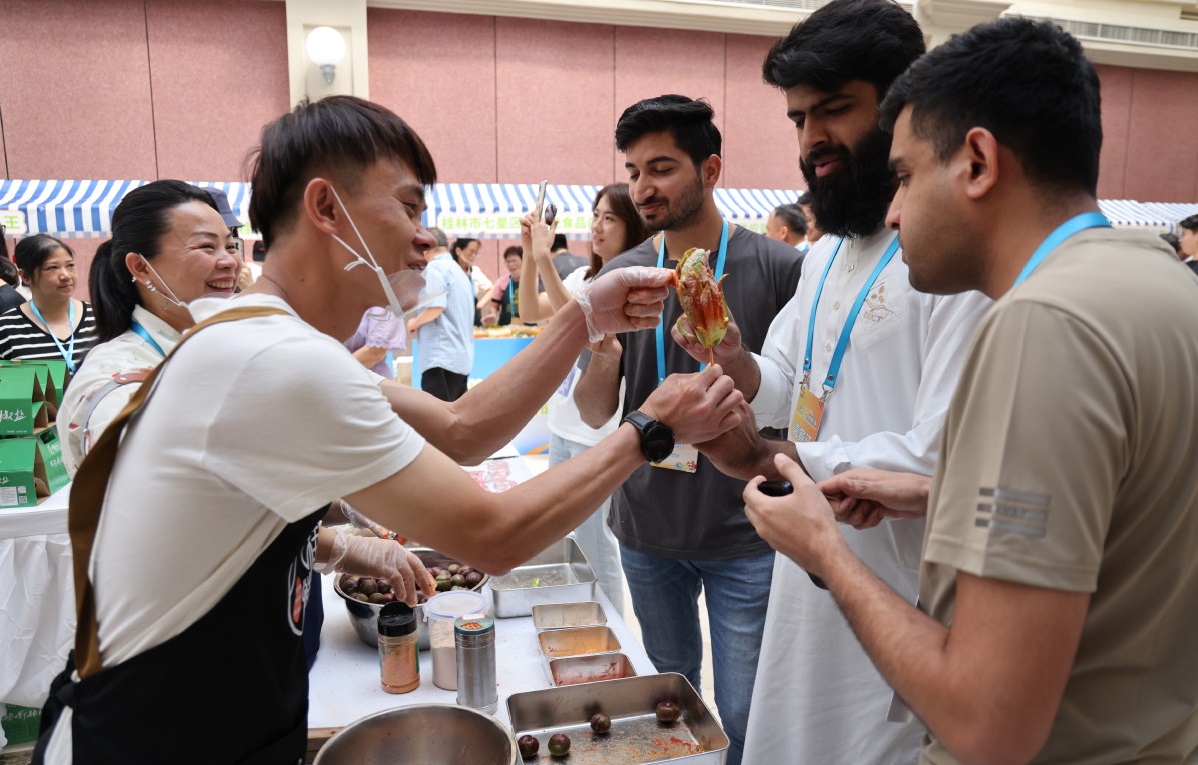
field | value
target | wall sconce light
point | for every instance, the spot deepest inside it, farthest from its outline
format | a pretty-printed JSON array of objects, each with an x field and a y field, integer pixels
[{"x": 326, "y": 48}]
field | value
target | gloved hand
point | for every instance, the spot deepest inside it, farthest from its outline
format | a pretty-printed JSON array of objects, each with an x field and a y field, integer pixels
[
  {"x": 361, "y": 553},
  {"x": 623, "y": 300}
]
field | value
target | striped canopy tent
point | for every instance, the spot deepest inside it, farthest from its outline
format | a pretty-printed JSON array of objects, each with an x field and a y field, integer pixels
[
  {"x": 81, "y": 208},
  {"x": 481, "y": 210},
  {"x": 1159, "y": 215},
  {"x": 493, "y": 210},
  {"x": 1173, "y": 211}
]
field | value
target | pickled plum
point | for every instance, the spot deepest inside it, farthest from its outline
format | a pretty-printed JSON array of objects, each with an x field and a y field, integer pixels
[
  {"x": 600, "y": 723},
  {"x": 559, "y": 745},
  {"x": 668, "y": 712},
  {"x": 529, "y": 746}
]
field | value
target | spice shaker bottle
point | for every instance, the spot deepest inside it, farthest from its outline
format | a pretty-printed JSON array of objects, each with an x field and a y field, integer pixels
[
  {"x": 399, "y": 657},
  {"x": 441, "y": 611},
  {"x": 477, "y": 687}
]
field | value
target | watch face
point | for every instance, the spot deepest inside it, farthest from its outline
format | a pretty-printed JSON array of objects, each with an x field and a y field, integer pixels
[{"x": 658, "y": 442}]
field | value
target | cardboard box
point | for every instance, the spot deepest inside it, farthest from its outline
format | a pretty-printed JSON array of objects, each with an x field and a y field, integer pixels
[
  {"x": 22, "y": 400},
  {"x": 20, "y": 724},
  {"x": 54, "y": 383},
  {"x": 31, "y": 468}
]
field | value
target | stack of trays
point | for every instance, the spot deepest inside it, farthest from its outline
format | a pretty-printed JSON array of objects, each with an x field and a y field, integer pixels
[{"x": 577, "y": 645}]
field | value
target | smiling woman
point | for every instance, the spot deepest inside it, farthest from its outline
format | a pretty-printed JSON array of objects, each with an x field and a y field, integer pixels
[
  {"x": 52, "y": 325},
  {"x": 169, "y": 246}
]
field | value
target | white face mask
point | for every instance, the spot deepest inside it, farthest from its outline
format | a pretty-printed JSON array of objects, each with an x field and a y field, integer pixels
[{"x": 401, "y": 288}]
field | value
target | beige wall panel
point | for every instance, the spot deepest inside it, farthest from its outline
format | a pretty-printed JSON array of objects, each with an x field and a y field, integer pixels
[
  {"x": 219, "y": 74},
  {"x": 761, "y": 150},
  {"x": 76, "y": 92}
]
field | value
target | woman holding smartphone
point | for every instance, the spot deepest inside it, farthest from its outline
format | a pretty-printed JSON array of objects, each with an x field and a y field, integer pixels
[{"x": 616, "y": 228}]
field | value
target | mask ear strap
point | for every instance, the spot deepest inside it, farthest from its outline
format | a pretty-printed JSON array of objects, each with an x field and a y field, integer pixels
[
  {"x": 357, "y": 233},
  {"x": 169, "y": 295}
]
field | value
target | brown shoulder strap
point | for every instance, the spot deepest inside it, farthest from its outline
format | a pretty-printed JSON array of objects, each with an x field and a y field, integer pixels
[{"x": 91, "y": 486}]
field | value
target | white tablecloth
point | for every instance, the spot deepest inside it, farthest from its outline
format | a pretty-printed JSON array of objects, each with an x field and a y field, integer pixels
[
  {"x": 37, "y": 599},
  {"x": 344, "y": 681},
  {"x": 37, "y": 624}
]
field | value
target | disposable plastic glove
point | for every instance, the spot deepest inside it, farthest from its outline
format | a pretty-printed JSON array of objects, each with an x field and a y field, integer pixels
[
  {"x": 624, "y": 300},
  {"x": 356, "y": 553}
]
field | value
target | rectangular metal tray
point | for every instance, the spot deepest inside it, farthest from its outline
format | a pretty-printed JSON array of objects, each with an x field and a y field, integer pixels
[
  {"x": 577, "y": 641},
  {"x": 556, "y": 616},
  {"x": 559, "y": 574},
  {"x": 635, "y": 736},
  {"x": 572, "y": 670}
]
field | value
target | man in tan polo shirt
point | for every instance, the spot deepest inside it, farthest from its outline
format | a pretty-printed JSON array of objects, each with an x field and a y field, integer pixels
[{"x": 1059, "y": 581}]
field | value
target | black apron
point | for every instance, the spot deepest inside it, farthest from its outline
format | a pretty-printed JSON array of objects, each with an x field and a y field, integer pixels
[{"x": 232, "y": 687}]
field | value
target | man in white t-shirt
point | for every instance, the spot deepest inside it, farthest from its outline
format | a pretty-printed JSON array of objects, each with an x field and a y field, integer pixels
[{"x": 202, "y": 553}]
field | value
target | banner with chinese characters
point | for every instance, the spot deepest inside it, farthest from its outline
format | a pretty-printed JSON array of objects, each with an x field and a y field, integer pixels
[{"x": 13, "y": 222}]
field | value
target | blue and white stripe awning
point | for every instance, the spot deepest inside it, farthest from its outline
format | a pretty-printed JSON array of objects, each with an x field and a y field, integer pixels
[
  {"x": 493, "y": 210},
  {"x": 81, "y": 208},
  {"x": 482, "y": 210},
  {"x": 1161, "y": 215}
]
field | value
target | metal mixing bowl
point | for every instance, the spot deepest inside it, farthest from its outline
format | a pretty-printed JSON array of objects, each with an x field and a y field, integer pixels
[
  {"x": 364, "y": 616},
  {"x": 429, "y": 734}
]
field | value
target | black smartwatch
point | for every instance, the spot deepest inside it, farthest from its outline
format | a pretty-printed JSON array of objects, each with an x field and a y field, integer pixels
[{"x": 657, "y": 440}]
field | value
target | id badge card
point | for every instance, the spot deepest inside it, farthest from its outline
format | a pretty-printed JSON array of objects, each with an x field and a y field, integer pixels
[
  {"x": 808, "y": 413},
  {"x": 564, "y": 389},
  {"x": 684, "y": 458}
]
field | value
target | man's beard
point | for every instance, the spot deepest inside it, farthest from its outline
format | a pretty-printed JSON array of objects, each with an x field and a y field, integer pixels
[
  {"x": 682, "y": 211},
  {"x": 853, "y": 200}
]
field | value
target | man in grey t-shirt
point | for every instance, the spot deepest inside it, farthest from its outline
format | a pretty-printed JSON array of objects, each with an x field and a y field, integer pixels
[{"x": 684, "y": 530}]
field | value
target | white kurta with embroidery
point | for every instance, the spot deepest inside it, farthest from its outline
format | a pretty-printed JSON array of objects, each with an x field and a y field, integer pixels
[
  {"x": 91, "y": 403},
  {"x": 818, "y": 697}
]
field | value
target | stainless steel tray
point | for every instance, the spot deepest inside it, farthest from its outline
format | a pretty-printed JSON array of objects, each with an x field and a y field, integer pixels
[
  {"x": 556, "y": 616},
  {"x": 572, "y": 670},
  {"x": 559, "y": 574},
  {"x": 635, "y": 736},
  {"x": 577, "y": 641}
]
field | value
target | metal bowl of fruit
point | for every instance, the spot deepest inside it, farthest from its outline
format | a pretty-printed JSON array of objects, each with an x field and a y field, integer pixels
[{"x": 365, "y": 596}]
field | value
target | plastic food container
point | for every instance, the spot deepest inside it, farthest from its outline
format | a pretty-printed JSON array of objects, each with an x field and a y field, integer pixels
[{"x": 441, "y": 610}]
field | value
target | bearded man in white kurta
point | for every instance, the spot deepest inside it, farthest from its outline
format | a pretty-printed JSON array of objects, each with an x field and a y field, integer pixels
[{"x": 884, "y": 360}]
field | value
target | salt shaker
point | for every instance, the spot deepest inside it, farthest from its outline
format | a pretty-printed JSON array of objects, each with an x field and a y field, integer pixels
[
  {"x": 399, "y": 660},
  {"x": 475, "y": 638}
]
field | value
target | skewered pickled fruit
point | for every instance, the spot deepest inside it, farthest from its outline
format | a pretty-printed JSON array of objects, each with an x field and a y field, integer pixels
[{"x": 702, "y": 299}]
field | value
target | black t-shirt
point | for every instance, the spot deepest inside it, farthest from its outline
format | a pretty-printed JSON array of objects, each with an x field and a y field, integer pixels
[{"x": 698, "y": 516}]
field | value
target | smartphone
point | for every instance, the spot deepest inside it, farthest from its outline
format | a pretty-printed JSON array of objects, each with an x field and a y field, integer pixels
[
  {"x": 782, "y": 489},
  {"x": 541, "y": 198}
]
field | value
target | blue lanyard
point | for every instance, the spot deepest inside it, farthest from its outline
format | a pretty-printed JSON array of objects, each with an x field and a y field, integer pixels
[
  {"x": 661, "y": 332},
  {"x": 1063, "y": 232},
  {"x": 139, "y": 329},
  {"x": 843, "y": 344},
  {"x": 68, "y": 353}
]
